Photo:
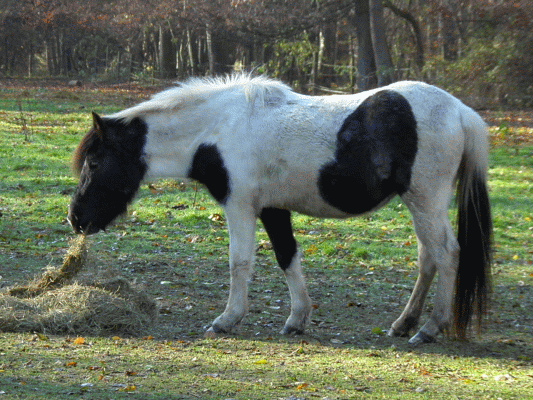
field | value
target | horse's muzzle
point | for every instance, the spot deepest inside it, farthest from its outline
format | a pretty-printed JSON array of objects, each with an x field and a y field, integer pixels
[
  {"x": 74, "y": 222},
  {"x": 78, "y": 227}
]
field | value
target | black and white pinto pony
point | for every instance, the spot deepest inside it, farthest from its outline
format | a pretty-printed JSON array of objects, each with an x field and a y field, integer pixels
[{"x": 263, "y": 151}]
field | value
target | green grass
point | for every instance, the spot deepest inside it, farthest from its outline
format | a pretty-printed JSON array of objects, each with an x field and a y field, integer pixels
[
  {"x": 173, "y": 243},
  {"x": 236, "y": 368}
]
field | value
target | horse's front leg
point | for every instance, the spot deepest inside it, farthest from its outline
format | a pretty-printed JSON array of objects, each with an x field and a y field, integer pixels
[
  {"x": 241, "y": 225},
  {"x": 301, "y": 305},
  {"x": 278, "y": 226}
]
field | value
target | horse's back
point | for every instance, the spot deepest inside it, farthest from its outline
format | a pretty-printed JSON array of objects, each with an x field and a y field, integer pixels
[{"x": 292, "y": 143}]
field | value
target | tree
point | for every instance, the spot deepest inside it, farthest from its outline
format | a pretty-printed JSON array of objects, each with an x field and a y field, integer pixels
[
  {"x": 308, "y": 43},
  {"x": 167, "y": 53},
  {"x": 419, "y": 38},
  {"x": 366, "y": 65},
  {"x": 384, "y": 67},
  {"x": 448, "y": 11}
]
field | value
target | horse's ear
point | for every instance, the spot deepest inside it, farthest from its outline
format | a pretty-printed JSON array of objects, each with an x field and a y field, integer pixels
[{"x": 98, "y": 125}]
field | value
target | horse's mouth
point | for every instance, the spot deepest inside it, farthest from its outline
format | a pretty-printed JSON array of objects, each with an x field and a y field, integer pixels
[{"x": 78, "y": 228}]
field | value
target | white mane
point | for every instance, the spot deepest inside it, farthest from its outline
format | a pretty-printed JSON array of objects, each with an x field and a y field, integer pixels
[{"x": 198, "y": 90}]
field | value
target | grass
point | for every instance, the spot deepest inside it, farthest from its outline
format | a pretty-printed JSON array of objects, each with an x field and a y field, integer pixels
[
  {"x": 237, "y": 368},
  {"x": 173, "y": 244}
]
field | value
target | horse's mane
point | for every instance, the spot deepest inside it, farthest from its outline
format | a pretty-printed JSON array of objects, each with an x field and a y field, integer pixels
[
  {"x": 197, "y": 90},
  {"x": 256, "y": 90},
  {"x": 78, "y": 158}
]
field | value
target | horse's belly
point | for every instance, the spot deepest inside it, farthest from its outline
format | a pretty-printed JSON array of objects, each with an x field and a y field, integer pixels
[{"x": 301, "y": 195}]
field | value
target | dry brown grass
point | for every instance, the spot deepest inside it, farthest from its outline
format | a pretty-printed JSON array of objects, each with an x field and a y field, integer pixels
[{"x": 55, "y": 304}]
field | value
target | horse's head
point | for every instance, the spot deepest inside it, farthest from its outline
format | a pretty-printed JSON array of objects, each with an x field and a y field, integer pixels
[{"x": 110, "y": 164}]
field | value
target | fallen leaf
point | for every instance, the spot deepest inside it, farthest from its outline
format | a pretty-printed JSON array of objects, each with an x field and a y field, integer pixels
[
  {"x": 377, "y": 331},
  {"x": 130, "y": 388},
  {"x": 311, "y": 249},
  {"x": 79, "y": 340},
  {"x": 260, "y": 362},
  {"x": 215, "y": 217},
  {"x": 154, "y": 190}
]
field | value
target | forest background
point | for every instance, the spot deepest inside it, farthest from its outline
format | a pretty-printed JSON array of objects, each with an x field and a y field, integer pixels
[{"x": 480, "y": 50}]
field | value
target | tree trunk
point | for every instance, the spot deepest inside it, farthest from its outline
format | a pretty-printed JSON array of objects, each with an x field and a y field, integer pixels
[
  {"x": 328, "y": 59},
  {"x": 167, "y": 54},
  {"x": 56, "y": 55},
  {"x": 219, "y": 53},
  {"x": 366, "y": 66},
  {"x": 384, "y": 67},
  {"x": 321, "y": 52},
  {"x": 193, "y": 59},
  {"x": 210, "y": 54},
  {"x": 352, "y": 64},
  {"x": 448, "y": 34}
]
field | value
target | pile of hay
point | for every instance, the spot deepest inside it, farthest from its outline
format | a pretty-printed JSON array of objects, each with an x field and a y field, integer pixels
[{"x": 52, "y": 304}]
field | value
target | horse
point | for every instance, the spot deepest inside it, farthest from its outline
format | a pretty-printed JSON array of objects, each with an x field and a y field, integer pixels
[{"x": 264, "y": 151}]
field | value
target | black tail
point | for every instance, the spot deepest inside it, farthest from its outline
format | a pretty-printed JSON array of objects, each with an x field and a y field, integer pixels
[{"x": 475, "y": 239}]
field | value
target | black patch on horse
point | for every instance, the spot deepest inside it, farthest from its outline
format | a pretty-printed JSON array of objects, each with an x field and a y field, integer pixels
[
  {"x": 113, "y": 167},
  {"x": 208, "y": 168},
  {"x": 376, "y": 149},
  {"x": 277, "y": 224}
]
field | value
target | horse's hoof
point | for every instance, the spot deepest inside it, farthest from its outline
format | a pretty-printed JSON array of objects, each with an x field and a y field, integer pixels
[
  {"x": 215, "y": 330},
  {"x": 421, "y": 338},
  {"x": 394, "y": 333},
  {"x": 210, "y": 334},
  {"x": 292, "y": 331}
]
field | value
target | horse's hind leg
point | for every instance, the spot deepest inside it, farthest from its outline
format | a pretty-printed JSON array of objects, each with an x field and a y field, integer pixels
[
  {"x": 241, "y": 223},
  {"x": 411, "y": 314},
  {"x": 438, "y": 252},
  {"x": 278, "y": 226}
]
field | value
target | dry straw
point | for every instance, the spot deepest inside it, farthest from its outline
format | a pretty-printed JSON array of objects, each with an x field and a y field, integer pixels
[{"x": 53, "y": 304}]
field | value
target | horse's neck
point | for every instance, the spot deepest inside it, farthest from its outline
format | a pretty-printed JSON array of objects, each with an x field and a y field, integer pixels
[{"x": 171, "y": 142}]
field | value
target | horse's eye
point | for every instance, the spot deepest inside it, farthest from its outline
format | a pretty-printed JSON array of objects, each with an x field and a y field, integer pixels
[{"x": 93, "y": 165}]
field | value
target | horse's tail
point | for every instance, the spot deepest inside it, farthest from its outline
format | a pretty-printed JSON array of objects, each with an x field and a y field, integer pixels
[{"x": 474, "y": 222}]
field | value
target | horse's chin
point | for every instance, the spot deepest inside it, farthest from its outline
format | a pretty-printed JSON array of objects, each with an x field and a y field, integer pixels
[
  {"x": 92, "y": 230},
  {"x": 87, "y": 230}
]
